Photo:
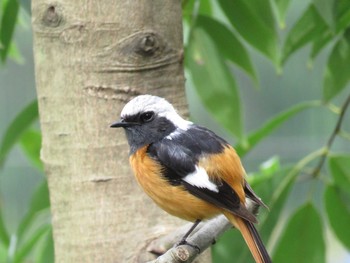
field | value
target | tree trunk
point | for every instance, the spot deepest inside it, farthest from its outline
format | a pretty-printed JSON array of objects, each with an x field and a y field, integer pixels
[{"x": 91, "y": 57}]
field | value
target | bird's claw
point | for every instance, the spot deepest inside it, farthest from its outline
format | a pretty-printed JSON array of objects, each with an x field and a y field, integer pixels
[{"x": 184, "y": 242}]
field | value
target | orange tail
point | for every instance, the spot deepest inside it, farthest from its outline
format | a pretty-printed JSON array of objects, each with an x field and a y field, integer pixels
[{"x": 251, "y": 237}]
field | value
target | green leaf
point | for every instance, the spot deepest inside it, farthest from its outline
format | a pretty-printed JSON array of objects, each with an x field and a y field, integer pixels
[
  {"x": 225, "y": 252},
  {"x": 270, "y": 166},
  {"x": 28, "y": 246},
  {"x": 253, "y": 20},
  {"x": 278, "y": 200},
  {"x": 191, "y": 8},
  {"x": 4, "y": 236},
  {"x": 337, "y": 73},
  {"x": 340, "y": 167},
  {"x": 282, "y": 7},
  {"x": 40, "y": 201},
  {"x": 14, "y": 131},
  {"x": 302, "y": 239},
  {"x": 31, "y": 145},
  {"x": 214, "y": 81},
  {"x": 7, "y": 27},
  {"x": 338, "y": 213},
  {"x": 267, "y": 179},
  {"x": 309, "y": 27},
  {"x": 14, "y": 53},
  {"x": 342, "y": 10},
  {"x": 205, "y": 7},
  {"x": 320, "y": 42},
  {"x": 262, "y": 10},
  {"x": 274, "y": 192},
  {"x": 228, "y": 44},
  {"x": 254, "y": 138},
  {"x": 326, "y": 9},
  {"x": 3, "y": 253},
  {"x": 280, "y": 194},
  {"x": 47, "y": 254}
]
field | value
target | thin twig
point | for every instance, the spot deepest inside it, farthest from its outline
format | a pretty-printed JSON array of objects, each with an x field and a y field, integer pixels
[
  {"x": 203, "y": 238},
  {"x": 330, "y": 141}
]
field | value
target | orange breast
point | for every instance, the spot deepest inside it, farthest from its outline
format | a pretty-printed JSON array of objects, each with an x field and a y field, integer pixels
[{"x": 173, "y": 199}]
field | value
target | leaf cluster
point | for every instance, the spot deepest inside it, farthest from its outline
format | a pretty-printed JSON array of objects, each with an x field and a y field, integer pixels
[
  {"x": 222, "y": 35},
  {"x": 33, "y": 236}
]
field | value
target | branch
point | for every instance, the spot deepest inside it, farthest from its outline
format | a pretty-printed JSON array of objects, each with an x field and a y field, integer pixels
[
  {"x": 330, "y": 141},
  {"x": 206, "y": 234}
]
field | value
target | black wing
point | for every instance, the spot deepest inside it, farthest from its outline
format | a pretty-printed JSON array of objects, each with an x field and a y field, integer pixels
[
  {"x": 179, "y": 156},
  {"x": 180, "y": 153}
]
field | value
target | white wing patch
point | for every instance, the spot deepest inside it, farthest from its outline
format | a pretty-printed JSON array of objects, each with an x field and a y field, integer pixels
[
  {"x": 174, "y": 134},
  {"x": 200, "y": 178}
]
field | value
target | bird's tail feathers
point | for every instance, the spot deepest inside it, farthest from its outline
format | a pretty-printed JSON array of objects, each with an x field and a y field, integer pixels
[{"x": 251, "y": 237}]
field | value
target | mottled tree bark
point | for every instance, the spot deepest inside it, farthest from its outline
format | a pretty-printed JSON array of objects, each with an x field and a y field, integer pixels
[{"x": 91, "y": 57}]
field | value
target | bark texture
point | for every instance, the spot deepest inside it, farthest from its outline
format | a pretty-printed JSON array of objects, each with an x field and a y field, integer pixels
[{"x": 91, "y": 57}]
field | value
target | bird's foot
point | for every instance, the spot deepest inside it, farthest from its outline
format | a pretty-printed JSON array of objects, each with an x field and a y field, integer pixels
[{"x": 184, "y": 242}]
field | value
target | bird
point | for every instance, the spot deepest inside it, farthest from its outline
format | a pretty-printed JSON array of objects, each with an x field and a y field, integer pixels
[{"x": 188, "y": 170}]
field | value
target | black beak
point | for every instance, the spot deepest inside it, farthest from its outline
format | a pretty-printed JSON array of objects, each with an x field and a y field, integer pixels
[{"x": 122, "y": 123}]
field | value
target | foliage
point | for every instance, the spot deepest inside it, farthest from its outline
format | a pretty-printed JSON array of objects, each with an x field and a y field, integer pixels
[
  {"x": 9, "y": 12},
  {"x": 33, "y": 236},
  {"x": 221, "y": 34},
  {"x": 214, "y": 42},
  {"x": 35, "y": 225}
]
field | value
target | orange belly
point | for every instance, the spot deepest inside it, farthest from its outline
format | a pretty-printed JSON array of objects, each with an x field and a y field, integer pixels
[{"x": 173, "y": 199}]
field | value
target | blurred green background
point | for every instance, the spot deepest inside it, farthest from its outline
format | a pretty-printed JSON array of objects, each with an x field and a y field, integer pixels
[
  {"x": 262, "y": 87},
  {"x": 18, "y": 176}
]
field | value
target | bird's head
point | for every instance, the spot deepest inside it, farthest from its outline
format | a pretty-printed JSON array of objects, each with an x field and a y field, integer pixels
[{"x": 147, "y": 119}]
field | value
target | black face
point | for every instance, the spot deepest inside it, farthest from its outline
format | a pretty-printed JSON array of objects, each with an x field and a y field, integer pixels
[{"x": 144, "y": 128}]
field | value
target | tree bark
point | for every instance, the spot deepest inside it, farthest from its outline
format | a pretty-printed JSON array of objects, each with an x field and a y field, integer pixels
[{"x": 91, "y": 57}]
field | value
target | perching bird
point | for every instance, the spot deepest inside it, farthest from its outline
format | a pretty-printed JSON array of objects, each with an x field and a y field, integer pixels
[{"x": 188, "y": 170}]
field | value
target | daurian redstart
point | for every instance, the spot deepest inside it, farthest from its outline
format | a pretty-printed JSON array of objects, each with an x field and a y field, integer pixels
[{"x": 188, "y": 170}]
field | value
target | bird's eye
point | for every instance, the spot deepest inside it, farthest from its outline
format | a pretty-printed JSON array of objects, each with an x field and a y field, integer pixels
[{"x": 147, "y": 116}]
